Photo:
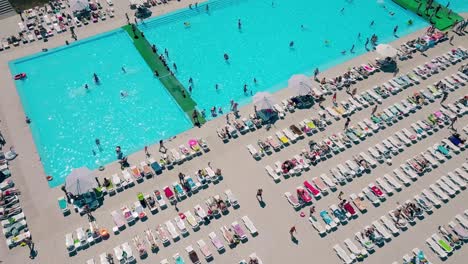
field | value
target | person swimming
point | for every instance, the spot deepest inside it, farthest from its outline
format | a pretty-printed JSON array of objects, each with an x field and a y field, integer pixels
[
  {"x": 352, "y": 49},
  {"x": 255, "y": 81},
  {"x": 291, "y": 44},
  {"x": 239, "y": 24},
  {"x": 226, "y": 57},
  {"x": 245, "y": 88},
  {"x": 186, "y": 24},
  {"x": 123, "y": 94},
  {"x": 123, "y": 69},
  {"x": 96, "y": 78},
  {"x": 372, "y": 23},
  {"x": 86, "y": 86},
  {"x": 216, "y": 87}
]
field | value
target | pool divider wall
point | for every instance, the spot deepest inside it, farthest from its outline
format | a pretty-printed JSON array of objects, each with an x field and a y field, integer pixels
[
  {"x": 442, "y": 21},
  {"x": 169, "y": 81}
]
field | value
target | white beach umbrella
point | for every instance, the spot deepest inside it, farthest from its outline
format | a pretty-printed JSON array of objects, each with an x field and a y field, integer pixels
[
  {"x": 263, "y": 100},
  {"x": 300, "y": 84},
  {"x": 80, "y": 181},
  {"x": 78, "y": 5},
  {"x": 386, "y": 50}
]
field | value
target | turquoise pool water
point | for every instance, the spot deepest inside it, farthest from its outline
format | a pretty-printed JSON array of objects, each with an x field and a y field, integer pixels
[
  {"x": 457, "y": 5},
  {"x": 67, "y": 118},
  {"x": 260, "y": 49}
]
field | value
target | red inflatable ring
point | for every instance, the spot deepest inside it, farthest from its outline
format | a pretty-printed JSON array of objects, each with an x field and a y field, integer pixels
[
  {"x": 49, "y": 178},
  {"x": 20, "y": 76}
]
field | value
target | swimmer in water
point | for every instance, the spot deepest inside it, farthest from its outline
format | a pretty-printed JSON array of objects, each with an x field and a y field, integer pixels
[
  {"x": 123, "y": 94},
  {"x": 86, "y": 86},
  {"x": 190, "y": 80},
  {"x": 342, "y": 10},
  {"x": 291, "y": 44},
  {"x": 239, "y": 24},
  {"x": 255, "y": 81},
  {"x": 96, "y": 78},
  {"x": 372, "y": 23},
  {"x": 343, "y": 52},
  {"x": 123, "y": 69},
  {"x": 352, "y": 49},
  {"x": 226, "y": 57},
  {"x": 190, "y": 88},
  {"x": 245, "y": 88},
  {"x": 216, "y": 87}
]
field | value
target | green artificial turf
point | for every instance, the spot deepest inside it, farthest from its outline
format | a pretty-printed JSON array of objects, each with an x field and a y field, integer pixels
[{"x": 442, "y": 21}]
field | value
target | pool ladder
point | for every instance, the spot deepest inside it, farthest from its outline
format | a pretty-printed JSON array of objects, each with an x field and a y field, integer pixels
[{"x": 185, "y": 14}]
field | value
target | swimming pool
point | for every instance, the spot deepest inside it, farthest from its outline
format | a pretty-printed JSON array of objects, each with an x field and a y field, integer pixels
[
  {"x": 260, "y": 48},
  {"x": 67, "y": 118}
]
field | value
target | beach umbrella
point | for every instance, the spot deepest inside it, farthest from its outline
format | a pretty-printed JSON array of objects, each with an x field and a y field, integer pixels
[
  {"x": 78, "y": 5},
  {"x": 386, "y": 50},
  {"x": 263, "y": 101},
  {"x": 300, "y": 84},
  {"x": 80, "y": 181}
]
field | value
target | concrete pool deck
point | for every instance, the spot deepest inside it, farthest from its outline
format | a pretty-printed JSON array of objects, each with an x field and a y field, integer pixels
[{"x": 242, "y": 175}]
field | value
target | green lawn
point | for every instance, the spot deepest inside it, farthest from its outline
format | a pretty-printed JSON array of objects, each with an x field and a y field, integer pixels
[{"x": 442, "y": 21}]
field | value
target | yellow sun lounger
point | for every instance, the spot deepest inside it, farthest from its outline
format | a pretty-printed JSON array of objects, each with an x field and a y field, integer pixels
[
  {"x": 310, "y": 124},
  {"x": 282, "y": 137}
]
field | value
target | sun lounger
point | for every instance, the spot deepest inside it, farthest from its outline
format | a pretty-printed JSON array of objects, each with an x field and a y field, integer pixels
[
  {"x": 179, "y": 191},
  {"x": 384, "y": 185},
  {"x": 81, "y": 238},
  {"x": 70, "y": 243},
  {"x": 390, "y": 225},
  {"x": 450, "y": 184},
  {"x": 128, "y": 179},
  {"x": 436, "y": 202},
  {"x": 169, "y": 194},
  {"x": 457, "y": 180},
  {"x": 282, "y": 138},
  {"x": 358, "y": 202},
  {"x": 191, "y": 220},
  {"x": 127, "y": 214},
  {"x": 128, "y": 253},
  {"x": 254, "y": 257},
  {"x": 339, "y": 213},
  {"x": 381, "y": 230},
  {"x": 118, "y": 219},
  {"x": 146, "y": 170},
  {"x": 320, "y": 184},
  {"x": 354, "y": 249},
  {"x": 118, "y": 252},
  {"x": 462, "y": 173},
  {"x": 409, "y": 171},
  {"x": 231, "y": 198},
  {"x": 249, "y": 225},
  {"x": 444, "y": 187},
  {"x": 15, "y": 228},
  {"x": 292, "y": 200},
  {"x": 328, "y": 181},
  {"x": 136, "y": 173},
  {"x": 442, "y": 243},
  {"x": 238, "y": 230},
  {"x": 216, "y": 242},
  {"x": 342, "y": 254},
  {"x": 303, "y": 195},
  {"x": 200, "y": 212},
  {"x": 320, "y": 229},
  {"x": 290, "y": 135},
  {"x": 138, "y": 211},
  {"x": 371, "y": 196},
  {"x": 436, "y": 248},
  {"x": 394, "y": 183},
  {"x": 462, "y": 220},
  {"x": 272, "y": 173},
  {"x": 439, "y": 193},
  {"x": 253, "y": 151},
  {"x": 316, "y": 193},
  {"x": 369, "y": 160},
  {"x": 331, "y": 224},
  {"x": 172, "y": 230},
  {"x": 117, "y": 183}
]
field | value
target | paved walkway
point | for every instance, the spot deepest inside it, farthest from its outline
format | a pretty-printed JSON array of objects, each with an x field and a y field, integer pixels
[{"x": 242, "y": 175}]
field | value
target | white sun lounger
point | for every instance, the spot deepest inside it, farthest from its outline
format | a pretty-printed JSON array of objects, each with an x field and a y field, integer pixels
[
  {"x": 117, "y": 182},
  {"x": 439, "y": 193},
  {"x": 436, "y": 154},
  {"x": 375, "y": 154},
  {"x": 409, "y": 171},
  {"x": 231, "y": 198},
  {"x": 320, "y": 229},
  {"x": 370, "y": 160},
  {"x": 253, "y": 151},
  {"x": 462, "y": 220},
  {"x": 434, "y": 163},
  {"x": 181, "y": 225},
  {"x": 118, "y": 252},
  {"x": 384, "y": 185},
  {"x": 292, "y": 200},
  {"x": 128, "y": 178},
  {"x": 272, "y": 173},
  {"x": 205, "y": 250},
  {"x": 462, "y": 174},
  {"x": 382, "y": 230},
  {"x": 402, "y": 177},
  {"x": 191, "y": 219},
  {"x": 164, "y": 261},
  {"x": 450, "y": 184},
  {"x": 249, "y": 225},
  {"x": 436, "y": 248},
  {"x": 342, "y": 254},
  {"x": 103, "y": 258},
  {"x": 216, "y": 241},
  {"x": 129, "y": 253},
  {"x": 431, "y": 198},
  {"x": 70, "y": 243},
  {"x": 172, "y": 231},
  {"x": 13, "y": 219},
  {"x": 390, "y": 225},
  {"x": 371, "y": 196},
  {"x": 437, "y": 238},
  {"x": 457, "y": 180},
  {"x": 394, "y": 183},
  {"x": 328, "y": 181},
  {"x": 353, "y": 248},
  {"x": 403, "y": 138},
  {"x": 444, "y": 187}
]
